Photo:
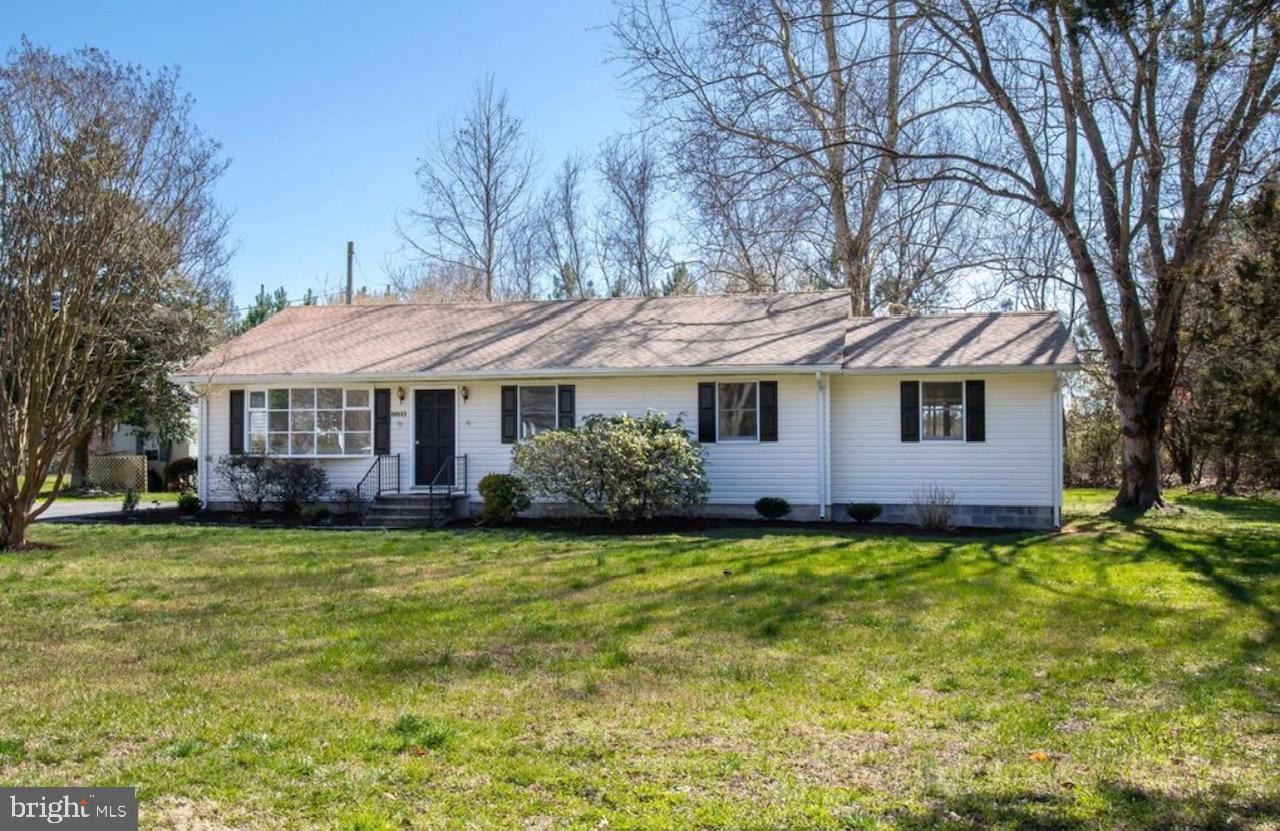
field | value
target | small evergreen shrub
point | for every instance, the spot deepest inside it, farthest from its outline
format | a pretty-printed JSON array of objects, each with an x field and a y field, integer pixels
[
  {"x": 864, "y": 511},
  {"x": 772, "y": 507},
  {"x": 188, "y": 502},
  {"x": 504, "y": 497},
  {"x": 130, "y": 503},
  {"x": 180, "y": 474}
]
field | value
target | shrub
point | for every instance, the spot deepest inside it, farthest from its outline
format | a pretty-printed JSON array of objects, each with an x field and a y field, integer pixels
[
  {"x": 248, "y": 478},
  {"x": 180, "y": 474},
  {"x": 772, "y": 507},
  {"x": 296, "y": 484},
  {"x": 618, "y": 467},
  {"x": 864, "y": 511},
  {"x": 188, "y": 502},
  {"x": 257, "y": 480},
  {"x": 504, "y": 496},
  {"x": 317, "y": 514},
  {"x": 933, "y": 507},
  {"x": 130, "y": 503}
]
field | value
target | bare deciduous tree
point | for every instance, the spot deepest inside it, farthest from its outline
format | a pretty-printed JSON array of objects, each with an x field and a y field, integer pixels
[
  {"x": 105, "y": 213},
  {"x": 475, "y": 183},
  {"x": 631, "y": 242},
  {"x": 565, "y": 231},
  {"x": 1143, "y": 120},
  {"x": 816, "y": 95}
]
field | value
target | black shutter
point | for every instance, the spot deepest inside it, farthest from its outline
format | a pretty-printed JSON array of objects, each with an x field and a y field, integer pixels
[
  {"x": 707, "y": 413},
  {"x": 975, "y": 410},
  {"x": 768, "y": 411},
  {"x": 565, "y": 407},
  {"x": 237, "y": 423},
  {"x": 910, "y": 397},
  {"x": 382, "y": 422},
  {"x": 508, "y": 415}
]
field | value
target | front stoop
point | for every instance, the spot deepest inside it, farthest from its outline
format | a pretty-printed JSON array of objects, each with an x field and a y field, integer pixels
[{"x": 411, "y": 510}]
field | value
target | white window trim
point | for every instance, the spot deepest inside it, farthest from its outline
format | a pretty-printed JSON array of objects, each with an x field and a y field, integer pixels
[
  {"x": 738, "y": 439},
  {"x": 265, "y": 390},
  {"x": 555, "y": 412},
  {"x": 963, "y": 438}
]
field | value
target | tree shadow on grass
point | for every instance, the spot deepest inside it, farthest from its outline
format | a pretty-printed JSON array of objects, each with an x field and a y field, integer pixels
[{"x": 1124, "y": 805}]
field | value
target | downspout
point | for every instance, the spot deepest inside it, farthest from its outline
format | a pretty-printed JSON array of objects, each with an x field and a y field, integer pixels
[
  {"x": 824, "y": 445},
  {"x": 204, "y": 456},
  {"x": 1057, "y": 449}
]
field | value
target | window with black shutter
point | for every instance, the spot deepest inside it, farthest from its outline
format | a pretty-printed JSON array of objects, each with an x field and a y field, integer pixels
[
  {"x": 909, "y": 397},
  {"x": 768, "y": 411},
  {"x": 237, "y": 423},
  {"x": 706, "y": 413},
  {"x": 382, "y": 422},
  {"x": 509, "y": 396},
  {"x": 566, "y": 415},
  {"x": 975, "y": 410}
]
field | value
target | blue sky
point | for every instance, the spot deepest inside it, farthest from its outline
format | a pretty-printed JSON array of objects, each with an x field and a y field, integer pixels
[{"x": 323, "y": 109}]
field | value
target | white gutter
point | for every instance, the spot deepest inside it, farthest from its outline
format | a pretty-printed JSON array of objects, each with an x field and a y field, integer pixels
[
  {"x": 551, "y": 372},
  {"x": 955, "y": 370}
]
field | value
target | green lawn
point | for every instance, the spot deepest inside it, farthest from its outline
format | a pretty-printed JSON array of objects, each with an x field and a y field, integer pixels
[
  {"x": 1121, "y": 674},
  {"x": 145, "y": 498}
]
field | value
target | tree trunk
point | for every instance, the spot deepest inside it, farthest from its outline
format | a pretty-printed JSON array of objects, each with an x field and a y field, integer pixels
[
  {"x": 13, "y": 530},
  {"x": 1141, "y": 431},
  {"x": 80, "y": 464}
]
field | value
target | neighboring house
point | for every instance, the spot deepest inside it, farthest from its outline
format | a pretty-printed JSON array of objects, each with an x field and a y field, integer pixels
[
  {"x": 126, "y": 440},
  {"x": 790, "y": 395}
]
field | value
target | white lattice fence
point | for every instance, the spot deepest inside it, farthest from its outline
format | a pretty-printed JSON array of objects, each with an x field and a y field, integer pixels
[{"x": 118, "y": 473}]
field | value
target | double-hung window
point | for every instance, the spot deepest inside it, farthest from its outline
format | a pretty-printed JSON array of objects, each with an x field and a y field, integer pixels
[
  {"x": 310, "y": 421},
  {"x": 942, "y": 410},
  {"x": 537, "y": 410},
  {"x": 738, "y": 411}
]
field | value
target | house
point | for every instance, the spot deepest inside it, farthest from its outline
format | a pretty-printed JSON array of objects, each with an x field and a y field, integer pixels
[
  {"x": 791, "y": 396},
  {"x": 127, "y": 440}
]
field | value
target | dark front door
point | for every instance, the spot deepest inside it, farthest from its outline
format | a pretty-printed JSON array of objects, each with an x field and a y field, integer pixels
[{"x": 433, "y": 436}]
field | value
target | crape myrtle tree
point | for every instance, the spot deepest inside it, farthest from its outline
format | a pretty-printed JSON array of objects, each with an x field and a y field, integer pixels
[
  {"x": 106, "y": 223},
  {"x": 1129, "y": 128}
]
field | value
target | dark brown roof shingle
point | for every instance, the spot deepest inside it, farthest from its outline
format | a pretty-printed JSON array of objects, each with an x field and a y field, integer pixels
[
  {"x": 732, "y": 331},
  {"x": 991, "y": 339}
]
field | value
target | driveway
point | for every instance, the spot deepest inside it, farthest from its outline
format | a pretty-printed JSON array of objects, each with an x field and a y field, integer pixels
[{"x": 72, "y": 508}]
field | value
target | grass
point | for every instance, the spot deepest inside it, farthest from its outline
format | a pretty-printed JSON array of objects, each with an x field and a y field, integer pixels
[
  {"x": 145, "y": 498},
  {"x": 1122, "y": 674}
]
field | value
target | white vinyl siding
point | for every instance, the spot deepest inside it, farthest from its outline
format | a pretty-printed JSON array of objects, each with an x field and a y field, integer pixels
[
  {"x": 1015, "y": 465},
  {"x": 343, "y": 472},
  {"x": 739, "y": 472}
]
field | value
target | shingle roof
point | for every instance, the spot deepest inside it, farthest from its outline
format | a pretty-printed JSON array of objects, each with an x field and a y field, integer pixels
[
  {"x": 731, "y": 331},
  {"x": 995, "y": 339},
  {"x": 801, "y": 329}
]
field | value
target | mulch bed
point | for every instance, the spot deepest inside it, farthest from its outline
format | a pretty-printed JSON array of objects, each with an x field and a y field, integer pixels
[{"x": 587, "y": 526}]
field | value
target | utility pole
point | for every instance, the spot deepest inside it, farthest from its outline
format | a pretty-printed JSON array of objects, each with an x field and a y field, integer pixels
[{"x": 351, "y": 254}]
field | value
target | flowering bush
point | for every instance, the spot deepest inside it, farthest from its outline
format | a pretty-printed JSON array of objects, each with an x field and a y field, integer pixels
[{"x": 618, "y": 466}]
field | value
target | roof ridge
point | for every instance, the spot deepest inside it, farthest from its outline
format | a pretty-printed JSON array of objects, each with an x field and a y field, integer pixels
[
  {"x": 551, "y": 300},
  {"x": 1000, "y": 312}
]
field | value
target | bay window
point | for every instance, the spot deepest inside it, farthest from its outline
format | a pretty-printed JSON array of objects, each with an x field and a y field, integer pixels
[{"x": 310, "y": 421}]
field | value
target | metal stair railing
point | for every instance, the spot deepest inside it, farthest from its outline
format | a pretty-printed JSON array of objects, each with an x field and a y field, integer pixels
[{"x": 383, "y": 476}]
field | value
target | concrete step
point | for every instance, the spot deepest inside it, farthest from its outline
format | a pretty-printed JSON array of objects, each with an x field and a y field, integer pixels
[
  {"x": 412, "y": 499},
  {"x": 398, "y": 522},
  {"x": 406, "y": 513}
]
